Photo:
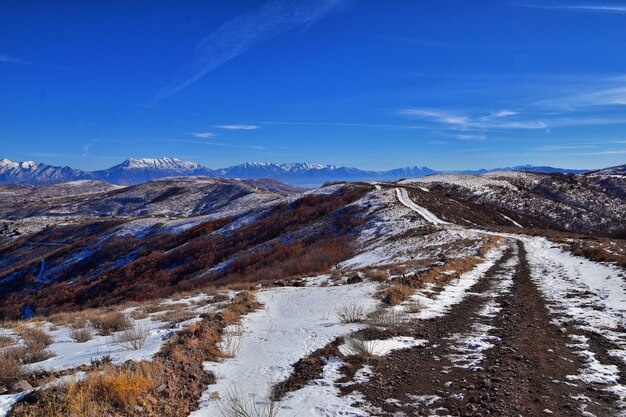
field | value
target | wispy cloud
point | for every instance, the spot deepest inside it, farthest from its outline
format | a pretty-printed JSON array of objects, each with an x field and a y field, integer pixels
[
  {"x": 238, "y": 127},
  {"x": 243, "y": 33},
  {"x": 87, "y": 146},
  {"x": 341, "y": 124},
  {"x": 610, "y": 152},
  {"x": 11, "y": 60},
  {"x": 496, "y": 120},
  {"x": 564, "y": 147},
  {"x": 212, "y": 143},
  {"x": 606, "y": 8},
  {"x": 203, "y": 135},
  {"x": 614, "y": 95}
]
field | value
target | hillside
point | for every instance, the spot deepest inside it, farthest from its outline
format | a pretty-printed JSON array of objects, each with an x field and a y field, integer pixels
[{"x": 329, "y": 293}]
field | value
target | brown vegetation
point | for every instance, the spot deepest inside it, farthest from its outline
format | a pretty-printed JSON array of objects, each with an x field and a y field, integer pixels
[
  {"x": 170, "y": 385},
  {"x": 111, "y": 322}
]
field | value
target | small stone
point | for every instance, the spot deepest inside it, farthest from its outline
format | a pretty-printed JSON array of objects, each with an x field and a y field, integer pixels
[{"x": 21, "y": 385}]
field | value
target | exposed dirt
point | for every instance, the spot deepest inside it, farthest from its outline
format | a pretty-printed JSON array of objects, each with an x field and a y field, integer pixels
[{"x": 524, "y": 373}]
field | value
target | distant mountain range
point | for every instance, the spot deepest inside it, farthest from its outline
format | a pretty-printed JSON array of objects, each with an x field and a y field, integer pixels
[{"x": 134, "y": 171}]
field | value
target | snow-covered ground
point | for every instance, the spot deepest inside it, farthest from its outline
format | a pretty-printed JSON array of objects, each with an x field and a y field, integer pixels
[
  {"x": 293, "y": 323},
  {"x": 403, "y": 197}
]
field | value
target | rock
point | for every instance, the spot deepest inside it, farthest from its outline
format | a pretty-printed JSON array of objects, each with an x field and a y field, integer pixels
[
  {"x": 161, "y": 388},
  {"x": 21, "y": 385}
]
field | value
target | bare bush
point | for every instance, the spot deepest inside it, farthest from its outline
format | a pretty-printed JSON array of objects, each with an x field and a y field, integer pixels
[
  {"x": 238, "y": 404},
  {"x": 6, "y": 341},
  {"x": 28, "y": 353},
  {"x": 133, "y": 338},
  {"x": 232, "y": 339},
  {"x": 414, "y": 306},
  {"x": 359, "y": 347},
  {"x": 112, "y": 322},
  {"x": 35, "y": 337},
  {"x": 352, "y": 313},
  {"x": 388, "y": 319},
  {"x": 81, "y": 335}
]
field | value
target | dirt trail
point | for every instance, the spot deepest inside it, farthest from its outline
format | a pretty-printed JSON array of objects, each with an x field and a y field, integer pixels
[{"x": 510, "y": 362}]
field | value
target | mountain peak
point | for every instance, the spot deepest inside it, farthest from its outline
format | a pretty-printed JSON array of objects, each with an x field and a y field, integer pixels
[{"x": 166, "y": 163}]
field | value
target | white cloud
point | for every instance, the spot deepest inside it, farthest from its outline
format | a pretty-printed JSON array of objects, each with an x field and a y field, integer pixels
[
  {"x": 608, "y": 8},
  {"x": 611, "y": 152},
  {"x": 244, "y": 32},
  {"x": 203, "y": 135},
  {"x": 238, "y": 127},
  {"x": 11, "y": 60},
  {"x": 460, "y": 121}
]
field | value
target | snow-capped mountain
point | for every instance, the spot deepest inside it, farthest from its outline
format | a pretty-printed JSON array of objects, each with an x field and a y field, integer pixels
[
  {"x": 134, "y": 171},
  {"x": 138, "y": 170},
  {"x": 33, "y": 173}
]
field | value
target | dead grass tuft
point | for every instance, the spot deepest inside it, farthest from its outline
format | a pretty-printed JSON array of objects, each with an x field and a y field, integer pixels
[
  {"x": 111, "y": 322},
  {"x": 352, "y": 313},
  {"x": 396, "y": 294},
  {"x": 81, "y": 335}
]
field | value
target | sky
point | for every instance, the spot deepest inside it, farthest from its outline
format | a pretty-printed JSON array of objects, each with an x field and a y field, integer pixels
[{"x": 365, "y": 83}]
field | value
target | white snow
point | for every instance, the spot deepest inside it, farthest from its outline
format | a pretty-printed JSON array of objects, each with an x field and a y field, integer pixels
[
  {"x": 293, "y": 323},
  {"x": 69, "y": 354},
  {"x": 404, "y": 198}
]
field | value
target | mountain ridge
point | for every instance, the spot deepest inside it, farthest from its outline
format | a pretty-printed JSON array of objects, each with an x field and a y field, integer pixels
[{"x": 137, "y": 170}]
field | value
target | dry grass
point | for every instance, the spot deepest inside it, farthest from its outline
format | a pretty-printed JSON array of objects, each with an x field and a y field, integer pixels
[
  {"x": 35, "y": 338},
  {"x": 237, "y": 404},
  {"x": 169, "y": 386},
  {"x": 175, "y": 316},
  {"x": 133, "y": 338},
  {"x": 111, "y": 322},
  {"x": 391, "y": 320},
  {"x": 81, "y": 335},
  {"x": 377, "y": 275},
  {"x": 242, "y": 303},
  {"x": 414, "y": 307},
  {"x": 360, "y": 347},
  {"x": 232, "y": 339},
  {"x": 139, "y": 315},
  {"x": 11, "y": 370},
  {"x": 102, "y": 392},
  {"x": 352, "y": 313},
  {"x": 6, "y": 341},
  {"x": 396, "y": 294}
]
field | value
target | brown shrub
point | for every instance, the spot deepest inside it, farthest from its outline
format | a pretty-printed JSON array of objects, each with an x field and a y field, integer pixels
[
  {"x": 396, "y": 294},
  {"x": 81, "y": 335},
  {"x": 6, "y": 341},
  {"x": 376, "y": 275},
  {"x": 112, "y": 322},
  {"x": 35, "y": 338},
  {"x": 133, "y": 337},
  {"x": 28, "y": 354},
  {"x": 11, "y": 370}
]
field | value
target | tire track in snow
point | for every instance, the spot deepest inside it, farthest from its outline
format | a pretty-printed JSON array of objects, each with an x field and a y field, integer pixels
[{"x": 403, "y": 197}]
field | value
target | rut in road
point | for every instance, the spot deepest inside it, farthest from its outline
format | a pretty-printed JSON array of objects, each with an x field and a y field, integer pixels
[{"x": 495, "y": 353}]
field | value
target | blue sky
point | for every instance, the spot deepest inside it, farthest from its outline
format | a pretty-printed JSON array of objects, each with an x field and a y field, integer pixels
[{"x": 365, "y": 83}]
